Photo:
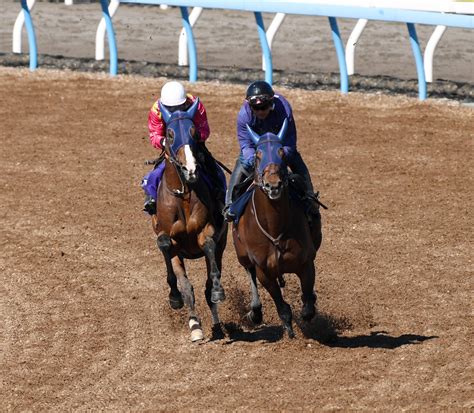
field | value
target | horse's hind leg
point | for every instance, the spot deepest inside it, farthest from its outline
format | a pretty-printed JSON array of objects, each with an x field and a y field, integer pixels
[
  {"x": 283, "y": 308},
  {"x": 214, "y": 270},
  {"x": 307, "y": 277},
  {"x": 255, "y": 315},
  {"x": 164, "y": 244},
  {"x": 187, "y": 292}
]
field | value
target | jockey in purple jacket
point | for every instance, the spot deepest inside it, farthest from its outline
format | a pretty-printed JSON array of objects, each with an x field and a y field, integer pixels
[{"x": 264, "y": 111}]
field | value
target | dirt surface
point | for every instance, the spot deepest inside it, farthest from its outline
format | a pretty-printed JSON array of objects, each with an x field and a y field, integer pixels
[{"x": 86, "y": 323}]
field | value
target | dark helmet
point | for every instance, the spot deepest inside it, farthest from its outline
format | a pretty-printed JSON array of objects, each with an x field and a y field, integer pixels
[{"x": 259, "y": 93}]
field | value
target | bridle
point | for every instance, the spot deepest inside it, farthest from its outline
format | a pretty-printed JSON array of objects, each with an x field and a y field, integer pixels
[
  {"x": 269, "y": 157},
  {"x": 260, "y": 172},
  {"x": 259, "y": 182},
  {"x": 171, "y": 156}
]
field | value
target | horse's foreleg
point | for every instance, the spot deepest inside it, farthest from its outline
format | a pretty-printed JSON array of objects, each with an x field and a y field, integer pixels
[
  {"x": 213, "y": 270},
  {"x": 255, "y": 314},
  {"x": 283, "y": 308},
  {"x": 307, "y": 278},
  {"x": 188, "y": 295},
  {"x": 208, "y": 292},
  {"x": 164, "y": 244},
  {"x": 217, "y": 332}
]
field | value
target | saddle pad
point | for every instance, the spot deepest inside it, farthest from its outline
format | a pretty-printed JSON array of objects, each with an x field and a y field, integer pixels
[{"x": 238, "y": 206}]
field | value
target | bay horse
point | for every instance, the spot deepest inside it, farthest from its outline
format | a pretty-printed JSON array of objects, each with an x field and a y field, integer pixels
[
  {"x": 188, "y": 224},
  {"x": 274, "y": 236}
]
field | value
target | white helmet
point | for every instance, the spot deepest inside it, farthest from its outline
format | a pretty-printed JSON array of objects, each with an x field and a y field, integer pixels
[{"x": 173, "y": 94}]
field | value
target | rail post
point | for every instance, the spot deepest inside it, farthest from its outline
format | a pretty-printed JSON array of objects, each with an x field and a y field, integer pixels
[{"x": 340, "y": 55}]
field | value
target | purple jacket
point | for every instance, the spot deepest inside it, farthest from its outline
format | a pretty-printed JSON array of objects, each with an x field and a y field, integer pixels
[{"x": 272, "y": 123}]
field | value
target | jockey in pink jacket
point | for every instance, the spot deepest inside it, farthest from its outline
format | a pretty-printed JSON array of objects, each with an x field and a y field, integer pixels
[{"x": 174, "y": 97}]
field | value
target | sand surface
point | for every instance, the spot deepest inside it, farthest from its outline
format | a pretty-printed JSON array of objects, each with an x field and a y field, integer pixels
[{"x": 86, "y": 323}]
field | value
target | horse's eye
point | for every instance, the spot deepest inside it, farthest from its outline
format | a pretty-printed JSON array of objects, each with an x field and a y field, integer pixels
[
  {"x": 192, "y": 131},
  {"x": 258, "y": 154},
  {"x": 170, "y": 136},
  {"x": 281, "y": 153}
]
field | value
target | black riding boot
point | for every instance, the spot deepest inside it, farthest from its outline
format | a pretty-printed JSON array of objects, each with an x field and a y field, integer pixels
[
  {"x": 149, "y": 205},
  {"x": 310, "y": 199},
  {"x": 238, "y": 175}
]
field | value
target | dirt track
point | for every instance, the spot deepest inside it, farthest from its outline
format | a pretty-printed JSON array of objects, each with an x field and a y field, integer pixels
[{"x": 86, "y": 322}]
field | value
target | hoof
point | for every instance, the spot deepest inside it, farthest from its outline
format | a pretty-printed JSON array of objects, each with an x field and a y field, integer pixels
[
  {"x": 176, "y": 302},
  {"x": 217, "y": 296},
  {"x": 196, "y": 332},
  {"x": 291, "y": 333},
  {"x": 217, "y": 332},
  {"x": 307, "y": 314},
  {"x": 196, "y": 335},
  {"x": 254, "y": 317}
]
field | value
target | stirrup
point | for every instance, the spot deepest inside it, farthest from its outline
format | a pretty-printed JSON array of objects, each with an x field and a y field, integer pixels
[
  {"x": 311, "y": 195},
  {"x": 150, "y": 206},
  {"x": 228, "y": 214}
]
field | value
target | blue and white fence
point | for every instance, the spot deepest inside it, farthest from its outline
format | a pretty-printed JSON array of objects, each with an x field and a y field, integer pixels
[{"x": 440, "y": 13}]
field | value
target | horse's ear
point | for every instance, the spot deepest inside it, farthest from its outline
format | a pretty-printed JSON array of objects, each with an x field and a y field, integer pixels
[
  {"x": 253, "y": 135},
  {"x": 283, "y": 129},
  {"x": 165, "y": 113},
  {"x": 192, "y": 110}
]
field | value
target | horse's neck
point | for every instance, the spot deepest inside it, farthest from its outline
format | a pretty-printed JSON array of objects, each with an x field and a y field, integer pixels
[{"x": 273, "y": 215}]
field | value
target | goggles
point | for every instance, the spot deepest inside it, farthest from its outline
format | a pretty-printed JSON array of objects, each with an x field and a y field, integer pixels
[
  {"x": 261, "y": 102},
  {"x": 183, "y": 107}
]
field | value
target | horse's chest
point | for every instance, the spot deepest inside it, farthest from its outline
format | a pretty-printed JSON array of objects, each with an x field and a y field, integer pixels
[
  {"x": 178, "y": 228},
  {"x": 184, "y": 228},
  {"x": 284, "y": 258}
]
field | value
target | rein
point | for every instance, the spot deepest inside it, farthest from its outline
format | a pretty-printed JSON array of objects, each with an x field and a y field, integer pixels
[
  {"x": 177, "y": 192},
  {"x": 274, "y": 241}
]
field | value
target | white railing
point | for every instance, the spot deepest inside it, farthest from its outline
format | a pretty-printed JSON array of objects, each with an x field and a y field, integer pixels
[
  {"x": 439, "y": 13},
  {"x": 19, "y": 23},
  {"x": 100, "y": 33},
  {"x": 183, "y": 38},
  {"x": 429, "y": 51}
]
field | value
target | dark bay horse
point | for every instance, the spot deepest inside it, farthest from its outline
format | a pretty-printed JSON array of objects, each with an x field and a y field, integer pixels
[
  {"x": 188, "y": 224},
  {"x": 274, "y": 235}
]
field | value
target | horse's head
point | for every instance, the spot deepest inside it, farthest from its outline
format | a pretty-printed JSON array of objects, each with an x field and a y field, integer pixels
[
  {"x": 271, "y": 173},
  {"x": 180, "y": 142}
]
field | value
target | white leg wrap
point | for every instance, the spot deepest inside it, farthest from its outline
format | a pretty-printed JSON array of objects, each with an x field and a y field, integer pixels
[
  {"x": 193, "y": 322},
  {"x": 196, "y": 332}
]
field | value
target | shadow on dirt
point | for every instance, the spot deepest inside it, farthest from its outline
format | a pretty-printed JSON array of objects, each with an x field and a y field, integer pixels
[
  {"x": 326, "y": 329},
  {"x": 379, "y": 339},
  {"x": 268, "y": 334}
]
